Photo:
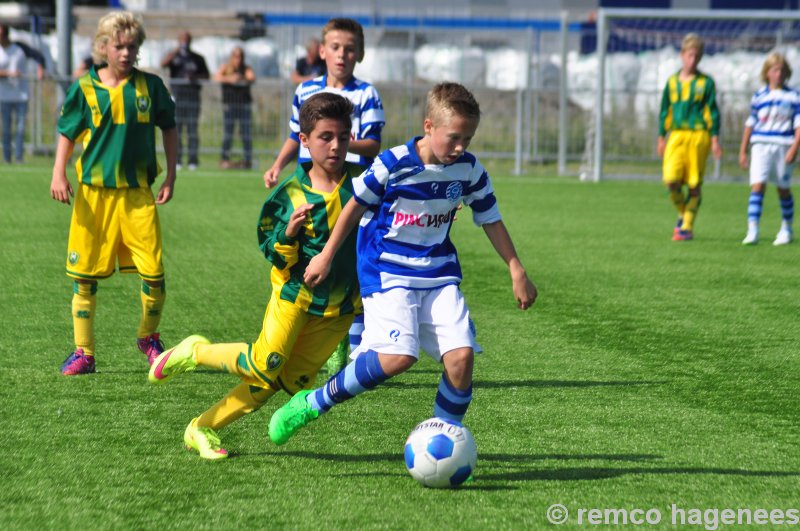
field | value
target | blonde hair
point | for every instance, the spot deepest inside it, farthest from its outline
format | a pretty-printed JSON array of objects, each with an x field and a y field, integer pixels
[
  {"x": 693, "y": 41},
  {"x": 773, "y": 59},
  {"x": 350, "y": 26},
  {"x": 110, "y": 26},
  {"x": 448, "y": 99}
]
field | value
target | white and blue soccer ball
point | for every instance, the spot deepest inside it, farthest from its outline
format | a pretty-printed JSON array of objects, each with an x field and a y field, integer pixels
[{"x": 440, "y": 453}]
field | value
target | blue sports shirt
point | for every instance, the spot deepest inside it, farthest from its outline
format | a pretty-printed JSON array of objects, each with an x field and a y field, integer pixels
[
  {"x": 404, "y": 236},
  {"x": 774, "y": 115}
]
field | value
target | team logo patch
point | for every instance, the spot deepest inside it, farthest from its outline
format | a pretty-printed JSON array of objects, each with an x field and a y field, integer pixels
[
  {"x": 274, "y": 361},
  {"x": 143, "y": 103},
  {"x": 453, "y": 191},
  {"x": 73, "y": 257}
]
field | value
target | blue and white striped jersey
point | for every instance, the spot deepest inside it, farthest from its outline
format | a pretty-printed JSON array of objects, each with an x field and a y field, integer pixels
[
  {"x": 368, "y": 117},
  {"x": 774, "y": 115},
  {"x": 404, "y": 236}
]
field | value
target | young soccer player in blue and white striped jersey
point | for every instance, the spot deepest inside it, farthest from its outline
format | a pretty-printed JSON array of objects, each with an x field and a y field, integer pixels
[
  {"x": 342, "y": 48},
  {"x": 408, "y": 267},
  {"x": 773, "y": 131}
]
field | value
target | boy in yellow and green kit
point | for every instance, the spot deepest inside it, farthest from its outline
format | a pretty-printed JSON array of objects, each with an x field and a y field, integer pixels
[
  {"x": 690, "y": 116},
  {"x": 302, "y": 324},
  {"x": 113, "y": 111}
]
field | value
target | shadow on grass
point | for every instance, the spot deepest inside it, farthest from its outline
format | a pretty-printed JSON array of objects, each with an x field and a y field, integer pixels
[
  {"x": 490, "y": 465},
  {"x": 589, "y": 473}
]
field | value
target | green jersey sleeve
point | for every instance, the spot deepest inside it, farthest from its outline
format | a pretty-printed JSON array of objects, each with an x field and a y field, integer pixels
[
  {"x": 75, "y": 113},
  {"x": 164, "y": 105}
]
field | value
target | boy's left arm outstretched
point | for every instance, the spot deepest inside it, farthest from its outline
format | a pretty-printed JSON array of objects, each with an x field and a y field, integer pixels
[{"x": 524, "y": 290}]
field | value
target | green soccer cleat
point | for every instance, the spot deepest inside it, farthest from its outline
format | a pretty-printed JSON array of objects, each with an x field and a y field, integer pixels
[
  {"x": 176, "y": 360},
  {"x": 339, "y": 358},
  {"x": 294, "y": 414},
  {"x": 204, "y": 441}
]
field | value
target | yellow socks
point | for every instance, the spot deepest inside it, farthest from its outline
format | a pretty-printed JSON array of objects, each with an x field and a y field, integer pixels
[
  {"x": 679, "y": 200},
  {"x": 84, "y": 301},
  {"x": 243, "y": 399},
  {"x": 152, "y": 303},
  {"x": 690, "y": 213},
  {"x": 228, "y": 357}
]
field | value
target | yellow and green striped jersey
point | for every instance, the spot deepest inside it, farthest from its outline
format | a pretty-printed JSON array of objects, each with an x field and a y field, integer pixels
[
  {"x": 339, "y": 293},
  {"x": 689, "y": 105},
  {"x": 117, "y": 128}
]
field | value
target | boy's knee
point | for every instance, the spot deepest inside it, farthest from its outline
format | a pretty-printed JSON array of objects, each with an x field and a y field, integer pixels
[
  {"x": 393, "y": 364},
  {"x": 459, "y": 357}
]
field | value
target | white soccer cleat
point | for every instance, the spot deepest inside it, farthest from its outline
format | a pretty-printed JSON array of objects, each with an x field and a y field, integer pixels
[
  {"x": 784, "y": 236},
  {"x": 752, "y": 236}
]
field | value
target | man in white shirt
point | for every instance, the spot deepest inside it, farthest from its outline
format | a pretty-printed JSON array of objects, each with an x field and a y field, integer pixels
[{"x": 13, "y": 95}]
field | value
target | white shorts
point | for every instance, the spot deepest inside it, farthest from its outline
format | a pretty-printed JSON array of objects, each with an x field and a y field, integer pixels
[
  {"x": 769, "y": 160},
  {"x": 403, "y": 321}
]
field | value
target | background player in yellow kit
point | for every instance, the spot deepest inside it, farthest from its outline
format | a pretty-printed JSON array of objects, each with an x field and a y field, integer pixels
[
  {"x": 113, "y": 110},
  {"x": 690, "y": 116}
]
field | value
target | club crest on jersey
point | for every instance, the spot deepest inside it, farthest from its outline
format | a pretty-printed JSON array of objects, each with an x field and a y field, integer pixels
[
  {"x": 143, "y": 103},
  {"x": 73, "y": 257},
  {"x": 274, "y": 361},
  {"x": 453, "y": 191}
]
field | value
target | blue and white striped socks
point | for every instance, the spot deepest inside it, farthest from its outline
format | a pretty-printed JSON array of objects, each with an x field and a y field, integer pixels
[
  {"x": 787, "y": 209},
  {"x": 754, "y": 207},
  {"x": 451, "y": 403},
  {"x": 361, "y": 375}
]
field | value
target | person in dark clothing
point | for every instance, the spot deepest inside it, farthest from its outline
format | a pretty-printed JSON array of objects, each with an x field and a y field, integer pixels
[
  {"x": 186, "y": 69},
  {"x": 236, "y": 78},
  {"x": 309, "y": 66}
]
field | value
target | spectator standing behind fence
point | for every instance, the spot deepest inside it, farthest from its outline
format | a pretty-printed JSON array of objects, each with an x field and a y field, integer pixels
[
  {"x": 236, "y": 78},
  {"x": 309, "y": 66},
  {"x": 36, "y": 56},
  {"x": 186, "y": 69},
  {"x": 13, "y": 95}
]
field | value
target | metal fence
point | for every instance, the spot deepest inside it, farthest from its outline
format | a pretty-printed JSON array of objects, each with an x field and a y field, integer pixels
[
  {"x": 508, "y": 65},
  {"x": 536, "y": 82}
]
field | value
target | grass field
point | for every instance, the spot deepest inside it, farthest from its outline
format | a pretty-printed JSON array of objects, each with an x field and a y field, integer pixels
[{"x": 649, "y": 373}]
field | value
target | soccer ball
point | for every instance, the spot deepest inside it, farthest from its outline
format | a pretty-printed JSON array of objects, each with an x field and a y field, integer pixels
[{"x": 440, "y": 453}]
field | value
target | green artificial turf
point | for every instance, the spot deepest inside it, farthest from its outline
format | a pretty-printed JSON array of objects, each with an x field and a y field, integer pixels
[{"x": 649, "y": 373}]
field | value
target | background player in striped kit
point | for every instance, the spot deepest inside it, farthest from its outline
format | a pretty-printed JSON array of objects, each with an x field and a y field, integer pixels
[
  {"x": 408, "y": 267},
  {"x": 342, "y": 47},
  {"x": 301, "y": 325},
  {"x": 773, "y": 131},
  {"x": 114, "y": 110}
]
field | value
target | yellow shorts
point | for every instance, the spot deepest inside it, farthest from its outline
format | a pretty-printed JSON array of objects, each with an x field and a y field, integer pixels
[
  {"x": 111, "y": 225},
  {"x": 293, "y": 346},
  {"x": 685, "y": 157}
]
